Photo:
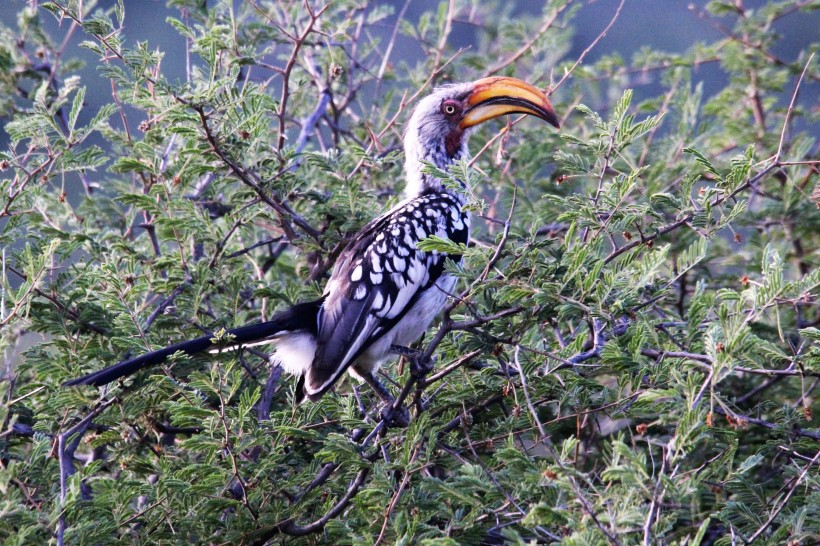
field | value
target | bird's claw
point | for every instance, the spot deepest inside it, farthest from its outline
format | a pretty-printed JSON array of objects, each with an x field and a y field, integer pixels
[
  {"x": 395, "y": 417},
  {"x": 420, "y": 366}
]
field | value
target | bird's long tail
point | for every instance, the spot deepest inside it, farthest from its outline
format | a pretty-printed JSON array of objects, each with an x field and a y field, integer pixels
[{"x": 299, "y": 318}]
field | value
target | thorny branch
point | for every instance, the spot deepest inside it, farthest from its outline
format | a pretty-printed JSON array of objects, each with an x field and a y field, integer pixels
[
  {"x": 251, "y": 180},
  {"x": 526, "y": 47},
  {"x": 782, "y": 503},
  {"x": 298, "y": 42},
  {"x": 597, "y": 330},
  {"x": 773, "y": 164},
  {"x": 591, "y": 46},
  {"x": 66, "y": 446}
]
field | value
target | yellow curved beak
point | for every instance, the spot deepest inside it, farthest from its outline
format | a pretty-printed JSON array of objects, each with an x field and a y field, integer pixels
[{"x": 493, "y": 97}]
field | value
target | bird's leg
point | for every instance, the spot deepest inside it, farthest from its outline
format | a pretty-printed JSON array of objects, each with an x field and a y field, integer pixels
[
  {"x": 419, "y": 366},
  {"x": 398, "y": 417},
  {"x": 378, "y": 388}
]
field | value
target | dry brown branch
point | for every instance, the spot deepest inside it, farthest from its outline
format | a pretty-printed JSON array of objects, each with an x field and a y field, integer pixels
[{"x": 297, "y": 45}]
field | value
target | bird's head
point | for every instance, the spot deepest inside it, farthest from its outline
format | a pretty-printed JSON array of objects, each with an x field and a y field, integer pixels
[{"x": 442, "y": 122}]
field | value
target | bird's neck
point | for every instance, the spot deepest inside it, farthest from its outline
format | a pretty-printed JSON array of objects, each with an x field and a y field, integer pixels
[{"x": 420, "y": 183}]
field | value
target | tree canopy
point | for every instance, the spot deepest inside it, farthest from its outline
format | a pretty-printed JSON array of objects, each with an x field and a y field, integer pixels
[{"x": 633, "y": 354}]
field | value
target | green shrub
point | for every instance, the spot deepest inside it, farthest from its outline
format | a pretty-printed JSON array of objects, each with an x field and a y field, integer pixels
[{"x": 634, "y": 356}]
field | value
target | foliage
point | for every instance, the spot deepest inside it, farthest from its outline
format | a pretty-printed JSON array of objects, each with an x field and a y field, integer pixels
[{"x": 634, "y": 358}]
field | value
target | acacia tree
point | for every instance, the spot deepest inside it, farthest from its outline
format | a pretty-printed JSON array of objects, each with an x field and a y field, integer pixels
[{"x": 633, "y": 356}]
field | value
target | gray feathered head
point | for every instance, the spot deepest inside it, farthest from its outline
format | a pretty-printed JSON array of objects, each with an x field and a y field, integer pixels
[{"x": 441, "y": 124}]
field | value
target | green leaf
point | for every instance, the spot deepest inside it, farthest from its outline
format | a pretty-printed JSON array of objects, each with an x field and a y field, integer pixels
[
  {"x": 76, "y": 106},
  {"x": 441, "y": 246},
  {"x": 700, "y": 158}
]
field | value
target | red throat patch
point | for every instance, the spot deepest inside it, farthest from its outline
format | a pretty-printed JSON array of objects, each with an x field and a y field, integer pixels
[{"x": 452, "y": 142}]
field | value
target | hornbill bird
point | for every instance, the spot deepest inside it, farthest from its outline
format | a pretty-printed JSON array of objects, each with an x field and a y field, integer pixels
[{"x": 384, "y": 291}]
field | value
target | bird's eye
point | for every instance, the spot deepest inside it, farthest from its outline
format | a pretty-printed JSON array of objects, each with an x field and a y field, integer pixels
[{"x": 449, "y": 108}]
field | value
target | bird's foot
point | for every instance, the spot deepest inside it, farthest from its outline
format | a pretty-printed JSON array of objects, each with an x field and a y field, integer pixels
[
  {"x": 392, "y": 416},
  {"x": 419, "y": 366},
  {"x": 395, "y": 417}
]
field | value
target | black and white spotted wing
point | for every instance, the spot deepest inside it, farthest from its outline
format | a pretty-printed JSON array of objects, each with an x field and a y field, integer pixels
[{"x": 378, "y": 278}]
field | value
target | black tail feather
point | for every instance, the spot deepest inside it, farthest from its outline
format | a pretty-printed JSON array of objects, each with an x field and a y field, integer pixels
[
  {"x": 133, "y": 365},
  {"x": 299, "y": 318}
]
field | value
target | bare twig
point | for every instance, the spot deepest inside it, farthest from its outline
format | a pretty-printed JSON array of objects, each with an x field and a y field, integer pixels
[
  {"x": 791, "y": 109},
  {"x": 389, "y": 49},
  {"x": 65, "y": 453},
  {"x": 546, "y": 25},
  {"x": 706, "y": 362},
  {"x": 597, "y": 343},
  {"x": 309, "y": 124},
  {"x": 531, "y": 407},
  {"x": 396, "y": 496},
  {"x": 500, "y": 246},
  {"x": 591, "y": 46},
  {"x": 702, "y": 391},
  {"x": 654, "y": 506},
  {"x": 297, "y": 45},
  {"x": 579, "y": 495},
  {"x": 252, "y": 181},
  {"x": 784, "y": 501},
  {"x": 290, "y": 527},
  {"x": 164, "y": 305},
  {"x": 740, "y": 419},
  {"x": 444, "y": 372}
]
